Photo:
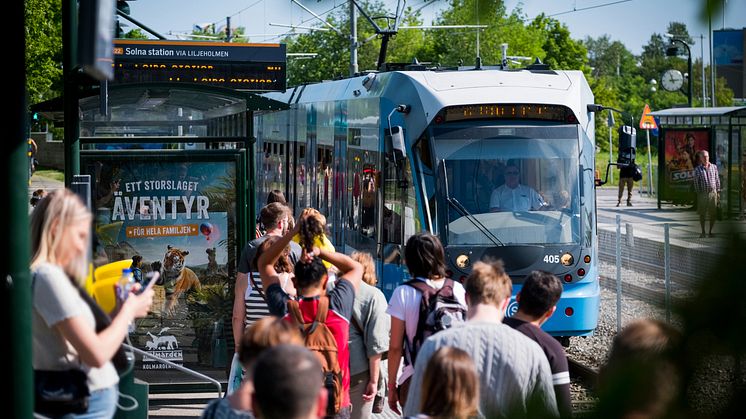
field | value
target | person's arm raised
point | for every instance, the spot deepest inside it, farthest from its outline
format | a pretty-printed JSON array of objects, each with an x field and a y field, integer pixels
[{"x": 267, "y": 260}]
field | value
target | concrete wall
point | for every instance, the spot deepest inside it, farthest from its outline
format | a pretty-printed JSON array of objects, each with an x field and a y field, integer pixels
[{"x": 50, "y": 153}]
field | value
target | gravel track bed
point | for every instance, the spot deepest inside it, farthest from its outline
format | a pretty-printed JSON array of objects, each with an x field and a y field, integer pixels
[{"x": 715, "y": 377}]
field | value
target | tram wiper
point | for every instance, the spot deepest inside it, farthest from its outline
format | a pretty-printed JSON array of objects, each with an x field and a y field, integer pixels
[
  {"x": 465, "y": 212},
  {"x": 478, "y": 224}
]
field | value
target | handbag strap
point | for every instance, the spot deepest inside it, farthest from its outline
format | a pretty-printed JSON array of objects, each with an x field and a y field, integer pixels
[{"x": 254, "y": 286}]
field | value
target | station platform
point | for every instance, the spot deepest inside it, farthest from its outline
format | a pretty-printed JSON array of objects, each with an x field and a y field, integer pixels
[{"x": 647, "y": 219}]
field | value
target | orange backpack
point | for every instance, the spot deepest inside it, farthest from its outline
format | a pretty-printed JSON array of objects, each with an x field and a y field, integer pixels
[{"x": 319, "y": 338}]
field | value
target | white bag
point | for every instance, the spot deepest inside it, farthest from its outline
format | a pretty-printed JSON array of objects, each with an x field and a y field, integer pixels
[{"x": 235, "y": 378}]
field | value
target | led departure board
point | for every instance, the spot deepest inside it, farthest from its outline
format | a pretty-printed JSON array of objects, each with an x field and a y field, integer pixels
[
  {"x": 255, "y": 67},
  {"x": 557, "y": 113}
]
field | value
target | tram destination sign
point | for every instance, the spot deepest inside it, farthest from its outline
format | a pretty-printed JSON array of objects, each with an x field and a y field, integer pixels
[{"x": 255, "y": 67}]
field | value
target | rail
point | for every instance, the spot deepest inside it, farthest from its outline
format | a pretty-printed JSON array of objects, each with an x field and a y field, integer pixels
[
  {"x": 177, "y": 366},
  {"x": 583, "y": 372}
]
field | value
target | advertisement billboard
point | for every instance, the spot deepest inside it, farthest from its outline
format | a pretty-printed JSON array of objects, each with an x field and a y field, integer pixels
[
  {"x": 679, "y": 150},
  {"x": 178, "y": 214}
]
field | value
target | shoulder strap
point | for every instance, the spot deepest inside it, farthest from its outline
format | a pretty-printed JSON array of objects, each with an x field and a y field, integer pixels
[
  {"x": 254, "y": 286},
  {"x": 418, "y": 285},
  {"x": 322, "y": 309},
  {"x": 295, "y": 315}
]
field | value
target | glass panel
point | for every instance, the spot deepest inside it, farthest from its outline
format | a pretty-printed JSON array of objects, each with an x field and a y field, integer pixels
[
  {"x": 721, "y": 159},
  {"x": 519, "y": 182},
  {"x": 155, "y": 112},
  {"x": 178, "y": 215}
]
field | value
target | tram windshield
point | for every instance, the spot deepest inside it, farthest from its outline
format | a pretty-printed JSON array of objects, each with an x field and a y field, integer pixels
[{"x": 508, "y": 184}]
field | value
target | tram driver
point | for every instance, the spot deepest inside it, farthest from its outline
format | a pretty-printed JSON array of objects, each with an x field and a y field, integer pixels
[{"x": 512, "y": 196}]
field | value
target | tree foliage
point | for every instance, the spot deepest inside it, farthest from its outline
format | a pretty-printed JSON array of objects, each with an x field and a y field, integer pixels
[
  {"x": 43, "y": 49},
  {"x": 562, "y": 52}
]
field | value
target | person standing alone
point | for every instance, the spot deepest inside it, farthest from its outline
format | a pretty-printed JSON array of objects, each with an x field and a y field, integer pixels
[
  {"x": 707, "y": 187},
  {"x": 625, "y": 178}
]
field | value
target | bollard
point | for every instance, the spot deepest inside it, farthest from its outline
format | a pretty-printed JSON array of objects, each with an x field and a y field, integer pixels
[{"x": 618, "y": 273}]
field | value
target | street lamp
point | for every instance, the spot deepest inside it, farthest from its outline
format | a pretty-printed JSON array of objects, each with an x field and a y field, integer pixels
[{"x": 673, "y": 51}]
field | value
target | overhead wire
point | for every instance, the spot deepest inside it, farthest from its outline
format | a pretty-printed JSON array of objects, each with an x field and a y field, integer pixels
[
  {"x": 280, "y": 36},
  {"x": 588, "y": 8}
]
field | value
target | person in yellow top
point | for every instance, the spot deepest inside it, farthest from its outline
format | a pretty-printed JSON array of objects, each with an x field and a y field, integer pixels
[{"x": 313, "y": 234}]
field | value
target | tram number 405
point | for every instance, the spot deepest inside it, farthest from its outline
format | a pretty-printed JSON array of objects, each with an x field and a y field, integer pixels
[{"x": 551, "y": 258}]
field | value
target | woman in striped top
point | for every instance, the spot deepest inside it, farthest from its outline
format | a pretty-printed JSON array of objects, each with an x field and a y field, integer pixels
[{"x": 255, "y": 305}]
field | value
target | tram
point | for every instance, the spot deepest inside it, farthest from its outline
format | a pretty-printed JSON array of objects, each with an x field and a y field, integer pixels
[{"x": 389, "y": 154}]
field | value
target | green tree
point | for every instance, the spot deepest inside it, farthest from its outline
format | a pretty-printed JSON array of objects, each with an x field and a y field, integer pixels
[
  {"x": 333, "y": 50},
  {"x": 460, "y": 46},
  {"x": 136, "y": 33},
  {"x": 562, "y": 52},
  {"x": 43, "y": 49},
  {"x": 609, "y": 58}
]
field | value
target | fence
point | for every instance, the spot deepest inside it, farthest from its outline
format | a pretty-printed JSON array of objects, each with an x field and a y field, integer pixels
[{"x": 647, "y": 273}]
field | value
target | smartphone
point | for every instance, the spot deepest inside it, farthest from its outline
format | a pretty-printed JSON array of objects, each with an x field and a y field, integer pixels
[{"x": 152, "y": 278}]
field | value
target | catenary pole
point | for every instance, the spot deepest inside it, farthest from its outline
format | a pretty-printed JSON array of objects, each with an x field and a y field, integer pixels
[
  {"x": 353, "y": 40},
  {"x": 702, "y": 53}
]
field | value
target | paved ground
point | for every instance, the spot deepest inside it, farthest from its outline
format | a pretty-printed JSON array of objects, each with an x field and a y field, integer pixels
[{"x": 647, "y": 220}]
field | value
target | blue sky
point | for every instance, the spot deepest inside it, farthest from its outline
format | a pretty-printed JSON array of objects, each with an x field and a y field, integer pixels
[{"x": 630, "y": 21}]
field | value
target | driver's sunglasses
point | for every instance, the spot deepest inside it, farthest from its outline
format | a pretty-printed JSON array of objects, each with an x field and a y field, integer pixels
[{"x": 511, "y": 173}]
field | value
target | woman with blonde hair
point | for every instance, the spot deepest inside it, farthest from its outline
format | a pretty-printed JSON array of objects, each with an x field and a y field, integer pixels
[
  {"x": 64, "y": 327},
  {"x": 450, "y": 386}
]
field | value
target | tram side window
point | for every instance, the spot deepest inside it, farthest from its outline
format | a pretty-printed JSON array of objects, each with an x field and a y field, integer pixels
[
  {"x": 324, "y": 178},
  {"x": 423, "y": 160}
]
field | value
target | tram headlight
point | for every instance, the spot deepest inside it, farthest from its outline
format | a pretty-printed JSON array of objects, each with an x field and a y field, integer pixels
[
  {"x": 566, "y": 259},
  {"x": 463, "y": 261}
]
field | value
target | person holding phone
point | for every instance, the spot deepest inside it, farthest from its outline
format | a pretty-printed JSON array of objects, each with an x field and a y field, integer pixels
[{"x": 63, "y": 326}]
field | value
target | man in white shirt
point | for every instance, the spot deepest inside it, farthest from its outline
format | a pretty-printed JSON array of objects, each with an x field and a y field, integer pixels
[{"x": 512, "y": 196}]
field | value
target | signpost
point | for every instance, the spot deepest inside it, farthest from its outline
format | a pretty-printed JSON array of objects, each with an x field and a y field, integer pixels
[
  {"x": 253, "y": 67},
  {"x": 647, "y": 122}
]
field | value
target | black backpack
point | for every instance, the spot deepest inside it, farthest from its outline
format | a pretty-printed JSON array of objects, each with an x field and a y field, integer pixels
[
  {"x": 439, "y": 310},
  {"x": 637, "y": 173}
]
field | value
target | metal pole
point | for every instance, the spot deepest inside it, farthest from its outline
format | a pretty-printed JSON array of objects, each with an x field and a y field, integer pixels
[
  {"x": 15, "y": 297},
  {"x": 667, "y": 270},
  {"x": 702, "y": 53},
  {"x": 174, "y": 365},
  {"x": 611, "y": 158},
  {"x": 70, "y": 91},
  {"x": 353, "y": 40},
  {"x": 650, "y": 165},
  {"x": 691, "y": 76},
  {"x": 618, "y": 273},
  {"x": 713, "y": 99}
]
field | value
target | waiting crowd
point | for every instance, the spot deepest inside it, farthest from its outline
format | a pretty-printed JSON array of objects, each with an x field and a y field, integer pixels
[{"x": 311, "y": 328}]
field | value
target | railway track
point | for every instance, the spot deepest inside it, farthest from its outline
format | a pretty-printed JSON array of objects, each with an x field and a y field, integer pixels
[{"x": 586, "y": 374}]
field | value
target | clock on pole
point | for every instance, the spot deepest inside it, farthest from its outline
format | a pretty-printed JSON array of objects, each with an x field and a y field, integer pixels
[{"x": 672, "y": 80}]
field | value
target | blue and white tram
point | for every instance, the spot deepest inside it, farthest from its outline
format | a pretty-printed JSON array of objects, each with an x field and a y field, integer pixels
[{"x": 455, "y": 135}]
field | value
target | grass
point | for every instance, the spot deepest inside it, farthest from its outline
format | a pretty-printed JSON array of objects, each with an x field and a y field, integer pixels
[{"x": 48, "y": 173}]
